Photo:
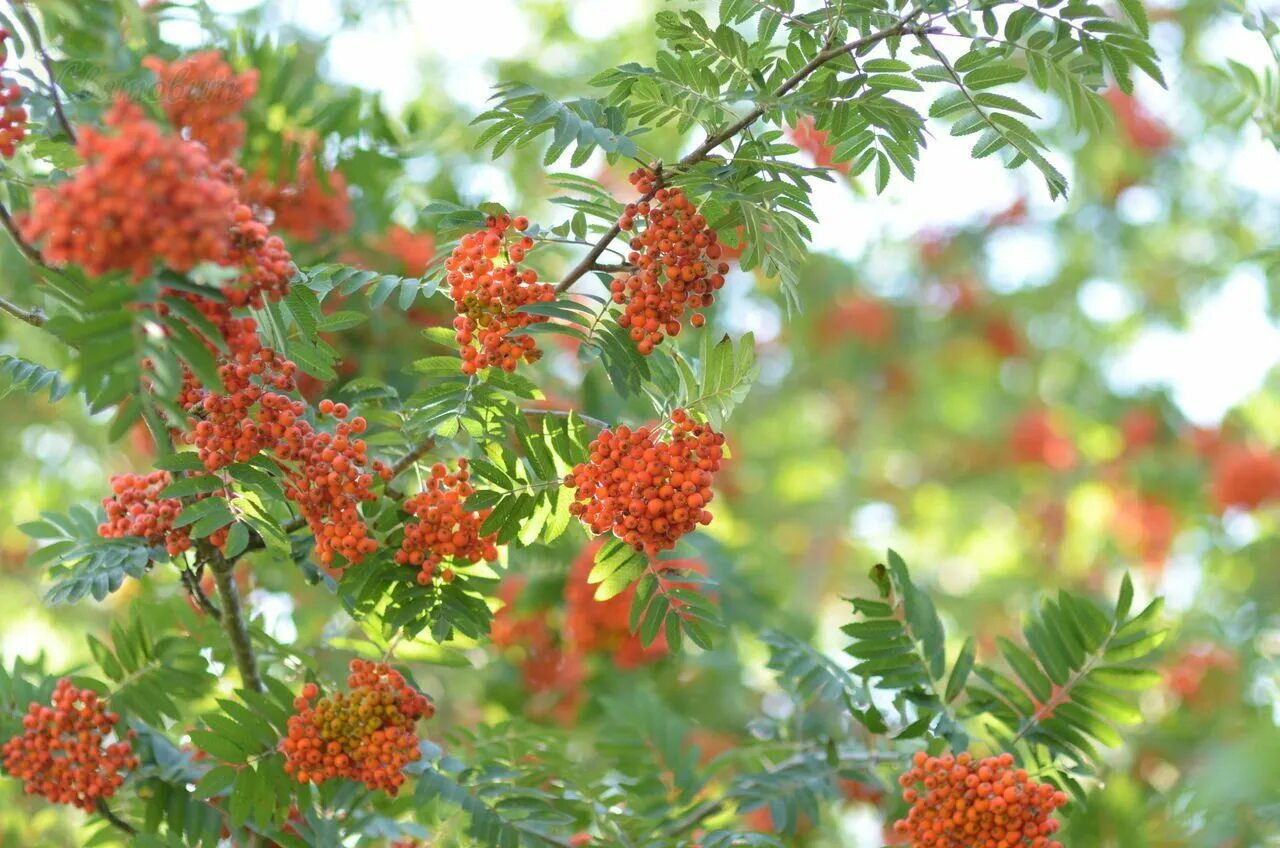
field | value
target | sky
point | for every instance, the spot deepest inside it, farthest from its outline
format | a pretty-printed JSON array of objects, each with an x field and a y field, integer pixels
[{"x": 1223, "y": 355}]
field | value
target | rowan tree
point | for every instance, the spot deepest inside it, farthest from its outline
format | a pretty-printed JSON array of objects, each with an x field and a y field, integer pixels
[{"x": 442, "y": 520}]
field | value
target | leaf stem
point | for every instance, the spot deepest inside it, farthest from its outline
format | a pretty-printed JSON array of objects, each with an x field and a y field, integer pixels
[{"x": 118, "y": 823}]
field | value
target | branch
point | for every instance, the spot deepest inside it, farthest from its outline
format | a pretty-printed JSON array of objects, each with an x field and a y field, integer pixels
[
  {"x": 714, "y": 140},
  {"x": 20, "y": 7},
  {"x": 35, "y": 317},
  {"x": 27, "y": 249},
  {"x": 191, "y": 580},
  {"x": 233, "y": 615},
  {"x": 115, "y": 821}
]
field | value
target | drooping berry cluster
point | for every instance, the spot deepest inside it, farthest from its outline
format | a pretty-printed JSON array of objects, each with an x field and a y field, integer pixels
[
  {"x": 967, "y": 802},
  {"x": 488, "y": 286},
  {"x": 63, "y": 752},
  {"x": 675, "y": 256},
  {"x": 327, "y": 475},
  {"x": 806, "y": 136},
  {"x": 645, "y": 491},
  {"x": 414, "y": 250},
  {"x": 1037, "y": 438},
  {"x": 551, "y": 672},
  {"x": 266, "y": 264},
  {"x": 307, "y": 205},
  {"x": 13, "y": 115},
  {"x": 330, "y": 482},
  {"x": 1245, "y": 477},
  {"x": 444, "y": 529},
  {"x": 604, "y": 627},
  {"x": 202, "y": 96},
  {"x": 366, "y": 734},
  {"x": 141, "y": 196},
  {"x": 135, "y": 508}
]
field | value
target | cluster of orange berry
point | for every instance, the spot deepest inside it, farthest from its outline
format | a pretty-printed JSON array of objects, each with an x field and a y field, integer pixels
[
  {"x": 141, "y": 195},
  {"x": 13, "y": 116},
  {"x": 592, "y": 626},
  {"x": 202, "y": 97},
  {"x": 968, "y": 802},
  {"x": 645, "y": 491},
  {"x": 225, "y": 429},
  {"x": 444, "y": 529},
  {"x": 329, "y": 482},
  {"x": 266, "y": 264},
  {"x": 328, "y": 475},
  {"x": 63, "y": 752},
  {"x": 366, "y": 734},
  {"x": 676, "y": 263},
  {"x": 552, "y": 675},
  {"x": 135, "y": 508},
  {"x": 488, "y": 287},
  {"x": 806, "y": 136},
  {"x": 308, "y": 205}
]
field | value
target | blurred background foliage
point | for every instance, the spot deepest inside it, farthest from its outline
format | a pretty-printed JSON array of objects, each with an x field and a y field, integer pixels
[{"x": 1018, "y": 395}]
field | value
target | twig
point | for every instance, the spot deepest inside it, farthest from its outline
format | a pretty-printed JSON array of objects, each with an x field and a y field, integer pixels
[
  {"x": 589, "y": 261},
  {"x": 233, "y": 614},
  {"x": 23, "y": 245},
  {"x": 411, "y": 457},
  {"x": 35, "y": 317},
  {"x": 714, "y": 140},
  {"x": 620, "y": 268},
  {"x": 115, "y": 821},
  {"x": 191, "y": 580},
  {"x": 20, "y": 8},
  {"x": 786, "y": 16}
]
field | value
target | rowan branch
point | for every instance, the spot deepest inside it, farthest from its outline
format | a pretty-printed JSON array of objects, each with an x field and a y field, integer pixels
[
  {"x": 714, "y": 140},
  {"x": 35, "y": 317},
  {"x": 23, "y": 245},
  {"x": 232, "y": 619},
  {"x": 191, "y": 581}
]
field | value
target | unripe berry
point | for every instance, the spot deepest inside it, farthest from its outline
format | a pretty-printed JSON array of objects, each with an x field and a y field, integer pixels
[{"x": 366, "y": 734}]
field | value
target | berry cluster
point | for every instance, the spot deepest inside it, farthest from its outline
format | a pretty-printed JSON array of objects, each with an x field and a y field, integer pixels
[
  {"x": 365, "y": 734},
  {"x": 202, "y": 97},
  {"x": 592, "y": 626},
  {"x": 267, "y": 267},
  {"x": 325, "y": 473},
  {"x": 142, "y": 195},
  {"x": 1038, "y": 439},
  {"x": 1245, "y": 477},
  {"x": 806, "y": 136},
  {"x": 648, "y": 492},
  {"x": 444, "y": 529},
  {"x": 551, "y": 674},
  {"x": 330, "y": 482},
  {"x": 135, "y": 508},
  {"x": 488, "y": 288},
  {"x": 675, "y": 258},
  {"x": 308, "y": 205},
  {"x": 414, "y": 250},
  {"x": 967, "y": 802},
  {"x": 63, "y": 752},
  {"x": 13, "y": 116}
]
